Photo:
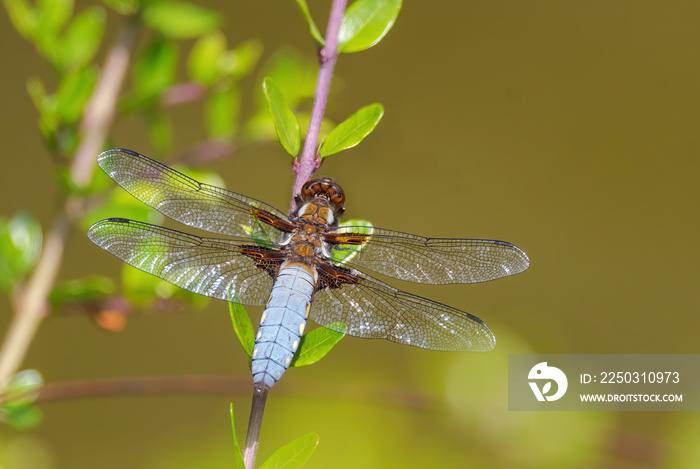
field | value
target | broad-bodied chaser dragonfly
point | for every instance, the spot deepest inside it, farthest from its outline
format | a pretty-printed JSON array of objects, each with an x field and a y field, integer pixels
[{"x": 302, "y": 266}]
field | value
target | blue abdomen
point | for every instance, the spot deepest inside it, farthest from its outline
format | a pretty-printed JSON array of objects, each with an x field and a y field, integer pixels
[{"x": 282, "y": 324}]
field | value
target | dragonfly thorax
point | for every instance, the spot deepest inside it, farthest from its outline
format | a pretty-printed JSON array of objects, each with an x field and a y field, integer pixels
[{"x": 304, "y": 244}]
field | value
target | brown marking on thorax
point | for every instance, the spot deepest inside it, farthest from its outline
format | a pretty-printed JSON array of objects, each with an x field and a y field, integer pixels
[
  {"x": 304, "y": 250},
  {"x": 305, "y": 243},
  {"x": 316, "y": 213}
]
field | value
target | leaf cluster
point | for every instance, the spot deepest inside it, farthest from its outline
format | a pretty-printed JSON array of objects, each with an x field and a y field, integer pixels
[
  {"x": 17, "y": 407},
  {"x": 364, "y": 24}
]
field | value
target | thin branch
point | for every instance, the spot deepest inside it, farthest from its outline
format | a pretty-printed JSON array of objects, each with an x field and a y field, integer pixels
[
  {"x": 257, "y": 409},
  {"x": 98, "y": 116},
  {"x": 32, "y": 305},
  {"x": 400, "y": 397},
  {"x": 189, "y": 384},
  {"x": 308, "y": 163},
  {"x": 100, "y": 110}
]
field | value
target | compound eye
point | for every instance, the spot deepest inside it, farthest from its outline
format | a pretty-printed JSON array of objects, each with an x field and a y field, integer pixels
[
  {"x": 306, "y": 188},
  {"x": 324, "y": 187},
  {"x": 339, "y": 197},
  {"x": 314, "y": 187}
]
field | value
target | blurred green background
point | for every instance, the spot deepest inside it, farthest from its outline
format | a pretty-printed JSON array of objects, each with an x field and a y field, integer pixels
[{"x": 567, "y": 128}]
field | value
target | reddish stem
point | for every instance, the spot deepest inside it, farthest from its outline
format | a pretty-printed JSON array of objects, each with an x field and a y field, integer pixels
[{"x": 308, "y": 163}]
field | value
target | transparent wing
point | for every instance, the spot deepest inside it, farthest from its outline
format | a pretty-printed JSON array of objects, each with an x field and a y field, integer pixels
[
  {"x": 427, "y": 260},
  {"x": 191, "y": 202},
  {"x": 224, "y": 269},
  {"x": 374, "y": 310}
]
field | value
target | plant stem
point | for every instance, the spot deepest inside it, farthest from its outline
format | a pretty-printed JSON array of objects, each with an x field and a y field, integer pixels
[
  {"x": 100, "y": 109},
  {"x": 303, "y": 170},
  {"x": 32, "y": 304},
  {"x": 226, "y": 385},
  {"x": 308, "y": 163},
  {"x": 143, "y": 385},
  {"x": 98, "y": 116},
  {"x": 257, "y": 408}
]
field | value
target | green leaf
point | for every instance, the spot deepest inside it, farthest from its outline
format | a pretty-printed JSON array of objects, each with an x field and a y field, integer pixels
[
  {"x": 238, "y": 458},
  {"x": 67, "y": 140},
  {"x": 23, "y": 387},
  {"x": 221, "y": 112},
  {"x": 343, "y": 253},
  {"x": 243, "y": 327},
  {"x": 84, "y": 289},
  {"x": 53, "y": 14},
  {"x": 20, "y": 417},
  {"x": 18, "y": 397},
  {"x": 37, "y": 91},
  {"x": 240, "y": 61},
  {"x": 365, "y": 23},
  {"x": 286, "y": 123},
  {"x": 293, "y": 455},
  {"x": 160, "y": 130},
  {"x": 155, "y": 69},
  {"x": 74, "y": 92},
  {"x": 294, "y": 76},
  {"x": 82, "y": 39},
  {"x": 180, "y": 20},
  {"x": 317, "y": 343},
  {"x": 22, "y": 15},
  {"x": 48, "y": 113},
  {"x": 20, "y": 246},
  {"x": 203, "y": 61},
  {"x": 48, "y": 122},
  {"x": 310, "y": 21},
  {"x": 209, "y": 60},
  {"x": 352, "y": 130}
]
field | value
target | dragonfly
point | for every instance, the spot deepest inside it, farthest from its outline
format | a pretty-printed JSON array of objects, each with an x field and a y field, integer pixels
[{"x": 300, "y": 267}]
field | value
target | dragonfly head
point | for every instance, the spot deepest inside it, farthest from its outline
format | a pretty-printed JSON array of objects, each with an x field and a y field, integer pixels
[{"x": 322, "y": 192}]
